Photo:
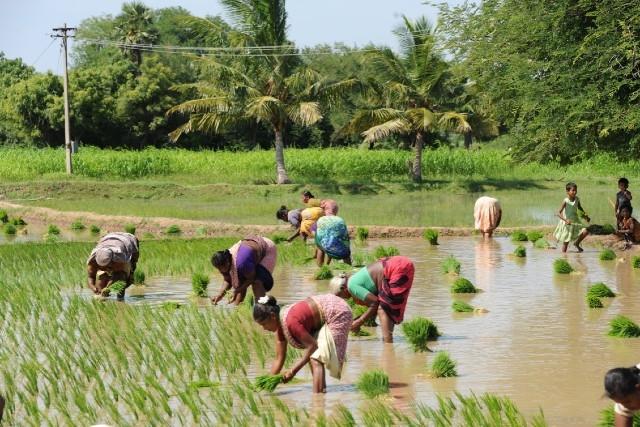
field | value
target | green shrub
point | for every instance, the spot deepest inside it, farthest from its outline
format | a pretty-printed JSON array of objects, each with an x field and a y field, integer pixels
[
  {"x": 431, "y": 235},
  {"x": 130, "y": 228},
  {"x": 463, "y": 286},
  {"x": 173, "y": 230},
  {"x": 562, "y": 266},
  {"x": 94, "y": 229},
  {"x": 461, "y": 307},
  {"x": 4, "y": 217},
  {"x": 359, "y": 310},
  {"x": 534, "y": 236},
  {"x": 623, "y": 327},
  {"x": 419, "y": 331},
  {"x": 541, "y": 244},
  {"x": 53, "y": 230},
  {"x": 139, "y": 277},
  {"x": 518, "y": 236},
  {"x": 520, "y": 251},
  {"x": 607, "y": 255},
  {"x": 383, "y": 252},
  {"x": 9, "y": 229},
  {"x": 450, "y": 265},
  {"x": 199, "y": 282},
  {"x": 362, "y": 234},
  {"x": 373, "y": 383},
  {"x": 443, "y": 366},
  {"x": 600, "y": 290},
  {"x": 18, "y": 221},
  {"x": 324, "y": 273},
  {"x": 77, "y": 226},
  {"x": 594, "y": 302},
  {"x": 268, "y": 382},
  {"x": 635, "y": 261}
]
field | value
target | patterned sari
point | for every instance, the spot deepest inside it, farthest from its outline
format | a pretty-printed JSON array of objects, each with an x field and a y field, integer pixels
[{"x": 332, "y": 237}]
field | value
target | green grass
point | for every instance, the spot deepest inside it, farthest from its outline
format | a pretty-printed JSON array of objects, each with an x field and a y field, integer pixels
[
  {"x": 323, "y": 273},
  {"x": 518, "y": 236},
  {"x": 419, "y": 331},
  {"x": 463, "y": 286},
  {"x": 594, "y": 301},
  {"x": 443, "y": 366},
  {"x": 173, "y": 230},
  {"x": 541, "y": 244},
  {"x": 383, "y": 252},
  {"x": 199, "y": 283},
  {"x": 130, "y": 228},
  {"x": 9, "y": 229},
  {"x": 451, "y": 265},
  {"x": 431, "y": 236},
  {"x": 53, "y": 230},
  {"x": 373, "y": 383},
  {"x": 562, "y": 266},
  {"x": 461, "y": 307},
  {"x": 77, "y": 226},
  {"x": 362, "y": 234},
  {"x": 607, "y": 255},
  {"x": 268, "y": 382},
  {"x": 139, "y": 277},
  {"x": 520, "y": 251},
  {"x": 635, "y": 261},
  {"x": 94, "y": 229},
  {"x": 600, "y": 290},
  {"x": 534, "y": 236},
  {"x": 623, "y": 327}
]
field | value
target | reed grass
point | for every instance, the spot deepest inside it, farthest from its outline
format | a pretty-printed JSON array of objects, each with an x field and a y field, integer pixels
[
  {"x": 362, "y": 234},
  {"x": 451, "y": 265},
  {"x": 443, "y": 366},
  {"x": 268, "y": 382},
  {"x": 431, "y": 236},
  {"x": 199, "y": 283},
  {"x": 94, "y": 229},
  {"x": 384, "y": 252},
  {"x": 594, "y": 301},
  {"x": 77, "y": 226},
  {"x": 462, "y": 307},
  {"x": 562, "y": 266},
  {"x": 130, "y": 228},
  {"x": 53, "y": 230},
  {"x": 635, "y": 261},
  {"x": 623, "y": 327},
  {"x": 173, "y": 230},
  {"x": 518, "y": 236},
  {"x": 9, "y": 229},
  {"x": 520, "y": 251},
  {"x": 373, "y": 383},
  {"x": 463, "y": 286},
  {"x": 600, "y": 290},
  {"x": 607, "y": 255},
  {"x": 139, "y": 277},
  {"x": 419, "y": 331},
  {"x": 323, "y": 273},
  {"x": 534, "y": 236}
]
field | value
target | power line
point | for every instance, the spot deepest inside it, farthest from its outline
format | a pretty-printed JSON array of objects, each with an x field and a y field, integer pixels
[{"x": 43, "y": 52}]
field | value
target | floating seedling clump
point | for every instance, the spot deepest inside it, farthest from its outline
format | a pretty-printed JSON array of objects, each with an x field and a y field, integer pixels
[
  {"x": 9, "y": 229},
  {"x": 431, "y": 236},
  {"x": 324, "y": 273},
  {"x": 443, "y": 366},
  {"x": 4, "y": 217},
  {"x": 462, "y": 307},
  {"x": 373, "y": 383},
  {"x": 600, "y": 290},
  {"x": 607, "y": 255},
  {"x": 534, "y": 236},
  {"x": 139, "y": 277},
  {"x": 518, "y": 236},
  {"x": 268, "y": 382},
  {"x": 130, "y": 228},
  {"x": 94, "y": 229},
  {"x": 541, "y": 244},
  {"x": 623, "y": 327},
  {"x": 117, "y": 288},
  {"x": 53, "y": 230},
  {"x": 384, "y": 252},
  {"x": 594, "y": 302},
  {"x": 77, "y": 226},
  {"x": 199, "y": 283},
  {"x": 419, "y": 331},
  {"x": 562, "y": 266},
  {"x": 463, "y": 286},
  {"x": 520, "y": 251},
  {"x": 635, "y": 261},
  {"x": 451, "y": 265},
  {"x": 362, "y": 234},
  {"x": 173, "y": 230},
  {"x": 359, "y": 310}
]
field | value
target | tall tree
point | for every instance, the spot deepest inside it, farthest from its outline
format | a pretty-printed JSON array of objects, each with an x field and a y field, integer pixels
[{"x": 135, "y": 27}]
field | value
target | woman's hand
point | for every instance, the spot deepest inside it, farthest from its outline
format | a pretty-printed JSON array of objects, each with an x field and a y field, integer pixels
[
  {"x": 215, "y": 300},
  {"x": 568, "y": 221},
  {"x": 355, "y": 326},
  {"x": 288, "y": 375}
]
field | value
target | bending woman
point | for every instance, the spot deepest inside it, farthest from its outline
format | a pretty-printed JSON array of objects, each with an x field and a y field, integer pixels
[
  {"x": 319, "y": 325},
  {"x": 332, "y": 239},
  {"x": 622, "y": 385},
  {"x": 384, "y": 287},
  {"x": 250, "y": 262},
  {"x": 487, "y": 214}
]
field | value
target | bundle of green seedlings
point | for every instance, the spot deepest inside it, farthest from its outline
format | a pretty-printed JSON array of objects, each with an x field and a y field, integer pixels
[
  {"x": 463, "y": 286},
  {"x": 139, "y": 277},
  {"x": 173, "y": 230},
  {"x": 623, "y": 327},
  {"x": 94, "y": 229},
  {"x": 541, "y": 244},
  {"x": 268, "y": 382},
  {"x": 451, "y": 265},
  {"x": 53, "y": 230},
  {"x": 130, "y": 228},
  {"x": 9, "y": 229},
  {"x": 360, "y": 333},
  {"x": 520, "y": 251},
  {"x": 419, "y": 331},
  {"x": 116, "y": 288},
  {"x": 635, "y": 261},
  {"x": 600, "y": 290},
  {"x": 324, "y": 273},
  {"x": 278, "y": 238},
  {"x": 384, "y": 252},
  {"x": 77, "y": 226},
  {"x": 362, "y": 234},
  {"x": 443, "y": 366},
  {"x": 601, "y": 230},
  {"x": 373, "y": 383},
  {"x": 462, "y": 307},
  {"x": 608, "y": 418},
  {"x": 607, "y": 255},
  {"x": 431, "y": 236},
  {"x": 358, "y": 310},
  {"x": 199, "y": 283},
  {"x": 518, "y": 236},
  {"x": 534, "y": 236},
  {"x": 594, "y": 302},
  {"x": 4, "y": 216},
  {"x": 18, "y": 221},
  {"x": 562, "y": 266}
]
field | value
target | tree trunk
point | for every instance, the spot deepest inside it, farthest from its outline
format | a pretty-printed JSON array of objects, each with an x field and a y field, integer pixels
[
  {"x": 416, "y": 170},
  {"x": 468, "y": 139},
  {"x": 281, "y": 170}
]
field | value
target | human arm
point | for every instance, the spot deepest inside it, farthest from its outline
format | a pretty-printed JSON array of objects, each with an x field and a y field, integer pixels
[
  {"x": 223, "y": 290},
  {"x": 92, "y": 271},
  {"x": 310, "y": 346},
  {"x": 371, "y": 301},
  {"x": 623, "y": 420},
  {"x": 294, "y": 235},
  {"x": 281, "y": 353},
  {"x": 560, "y": 211},
  {"x": 584, "y": 214}
]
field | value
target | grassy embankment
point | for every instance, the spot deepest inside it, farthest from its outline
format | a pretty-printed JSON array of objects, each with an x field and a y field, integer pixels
[{"x": 371, "y": 187}]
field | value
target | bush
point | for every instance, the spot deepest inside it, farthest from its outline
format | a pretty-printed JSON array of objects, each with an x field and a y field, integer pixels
[
  {"x": 451, "y": 265},
  {"x": 600, "y": 290},
  {"x": 4, "y": 217},
  {"x": 373, "y": 383},
  {"x": 324, "y": 273},
  {"x": 607, "y": 255},
  {"x": 562, "y": 266},
  {"x": 520, "y": 251},
  {"x": 139, "y": 277},
  {"x": 463, "y": 286},
  {"x": 534, "y": 236},
  {"x": 462, "y": 307},
  {"x": 94, "y": 229},
  {"x": 130, "y": 228},
  {"x": 9, "y": 229},
  {"x": 442, "y": 366},
  {"x": 623, "y": 327},
  {"x": 636, "y": 262},
  {"x": 173, "y": 230},
  {"x": 77, "y": 226},
  {"x": 53, "y": 230},
  {"x": 382, "y": 252},
  {"x": 362, "y": 234},
  {"x": 541, "y": 244},
  {"x": 199, "y": 282},
  {"x": 419, "y": 331},
  {"x": 594, "y": 302},
  {"x": 431, "y": 235},
  {"x": 518, "y": 236}
]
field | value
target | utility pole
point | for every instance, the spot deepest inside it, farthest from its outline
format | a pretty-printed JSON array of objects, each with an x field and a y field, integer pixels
[{"x": 63, "y": 33}]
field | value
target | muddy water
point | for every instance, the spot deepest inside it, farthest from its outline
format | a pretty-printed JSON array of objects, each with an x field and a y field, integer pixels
[{"x": 539, "y": 344}]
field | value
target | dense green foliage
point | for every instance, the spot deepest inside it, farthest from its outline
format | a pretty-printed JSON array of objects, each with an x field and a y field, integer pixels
[
  {"x": 607, "y": 255},
  {"x": 451, "y": 265},
  {"x": 461, "y": 307},
  {"x": 520, "y": 251},
  {"x": 600, "y": 290}
]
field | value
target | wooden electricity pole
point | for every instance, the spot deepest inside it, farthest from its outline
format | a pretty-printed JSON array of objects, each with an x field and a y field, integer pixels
[{"x": 62, "y": 33}]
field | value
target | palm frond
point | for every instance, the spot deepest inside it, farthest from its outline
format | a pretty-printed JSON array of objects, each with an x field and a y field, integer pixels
[
  {"x": 386, "y": 129},
  {"x": 457, "y": 122},
  {"x": 265, "y": 108},
  {"x": 305, "y": 113},
  {"x": 201, "y": 106},
  {"x": 421, "y": 119},
  {"x": 386, "y": 65}
]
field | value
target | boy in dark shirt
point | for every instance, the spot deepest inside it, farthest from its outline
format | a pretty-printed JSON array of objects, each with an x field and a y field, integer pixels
[{"x": 623, "y": 198}]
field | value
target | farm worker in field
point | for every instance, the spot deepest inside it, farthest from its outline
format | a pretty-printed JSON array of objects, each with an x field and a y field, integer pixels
[
  {"x": 622, "y": 385},
  {"x": 332, "y": 239},
  {"x": 114, "y": 258},
  {"x": 487, "y": 213},
  {"x": 306, "y": 221},
  {"x": 628, "y": 226},
  {"x": 330, "y": 207},
  {"x": 319, "y": 325},
  {"x": 250, "y": 262},
  {"x": 292, "y": 216},
  {"x": 309, "y": 200},
  {"x": 384, "y": 287}
]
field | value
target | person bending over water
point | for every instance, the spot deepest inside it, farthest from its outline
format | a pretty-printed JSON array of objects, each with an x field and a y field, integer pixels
[
  {"x": 487, "y": 213},
  {"x": 569, "y": 227},
  {"x": 319, "y": 325},
  {"x": 332, "y": 239},
  {"x": 250, "y": 262},
  {"x": 384, "y": 287},
  {"x": 628, "y": 227},
  {"x": 622, "y": 385},
  {"x": 114, "y": 258}
]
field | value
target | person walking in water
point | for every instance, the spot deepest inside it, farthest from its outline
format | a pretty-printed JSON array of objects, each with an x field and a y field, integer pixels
[
  {"x": 487, "y": 213},
  {"x": 113, "y": 259},
  {"x": 569, "y": 228},
  {"x": 622, "y": 385}
]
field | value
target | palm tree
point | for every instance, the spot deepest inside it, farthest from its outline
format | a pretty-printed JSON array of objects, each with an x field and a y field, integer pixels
[
  {"x": 134, "y": 27},
  {"x": 265, "y": 87},
  {"x": 406, "y": 93}
]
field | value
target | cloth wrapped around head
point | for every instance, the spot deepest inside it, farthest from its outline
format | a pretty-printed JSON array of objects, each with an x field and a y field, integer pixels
[{"x": 104, "y": 256}]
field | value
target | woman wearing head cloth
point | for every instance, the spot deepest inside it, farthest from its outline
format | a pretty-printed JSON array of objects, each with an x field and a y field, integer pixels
[{"x": 113, "y": 259}]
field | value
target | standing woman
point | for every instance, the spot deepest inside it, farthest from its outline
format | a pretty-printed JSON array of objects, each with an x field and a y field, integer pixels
[
  {"x": 250, "y": 262},
  {"x": 487, "y": 213},
  {"x": 332, "y": 239},
  {"x": 622, "y": 385},
  {"x": 319, "y": 325},
  {"x": 384, "y": 287}
]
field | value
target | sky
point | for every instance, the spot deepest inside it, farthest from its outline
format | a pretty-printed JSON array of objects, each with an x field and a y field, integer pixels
[{"x": 25, "y": 25}]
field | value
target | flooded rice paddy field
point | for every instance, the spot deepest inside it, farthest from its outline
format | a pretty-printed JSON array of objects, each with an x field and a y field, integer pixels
[{"x": 539, "y": 344}]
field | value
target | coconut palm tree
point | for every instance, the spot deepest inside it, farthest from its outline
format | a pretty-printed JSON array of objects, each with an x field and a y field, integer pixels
[
  {"x": 134, "y": 27},
  {"x": 407, "y": 91}
]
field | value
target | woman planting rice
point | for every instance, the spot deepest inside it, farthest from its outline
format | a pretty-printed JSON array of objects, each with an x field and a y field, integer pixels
[
  {"x": 332, "y": 239},
  {"x": 622, "y": 385},
  {"x": 305, "y": 222},
  {"x": 384, "y": 287},
  {"x": 487, "y": 213},
  {"x": 113, "y": 259},
  {"x": 250, "y": 262},
  {"x": 330, "y": 207},
  {"x": 319, "y": 325}
]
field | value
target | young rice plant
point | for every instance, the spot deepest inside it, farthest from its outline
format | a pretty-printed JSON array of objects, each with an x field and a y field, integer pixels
[
  {"x": 443, "y": 366},
  {"x": 562, "y": 266},
  {"x": 451, "y": 265},
  {"x": 373, "y": 383},
  {"x": 419, "y": 331},
  {"x": 199, "y": 283},
  {"x": 431, "y": 236},
  {"x": 623, "y": 327},
  {"x": 607, "y": 255},
  {"x": 462, "y": 307},
  {"x": 463, "y": 286}
]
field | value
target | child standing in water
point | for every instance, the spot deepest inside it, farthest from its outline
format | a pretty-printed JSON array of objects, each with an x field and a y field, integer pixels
[
  {"x": 569, "y": 227},
  {"x": 623, "y": 198}
]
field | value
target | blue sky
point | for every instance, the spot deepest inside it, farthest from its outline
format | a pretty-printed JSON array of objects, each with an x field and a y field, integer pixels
[{"x": 25, "y": 25}]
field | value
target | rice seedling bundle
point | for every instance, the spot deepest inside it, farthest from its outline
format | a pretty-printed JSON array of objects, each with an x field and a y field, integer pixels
[
  {"x": 373, "y": 383},
  {"x": 518, "y": 236},
  {"x": 139, "y": 277},
  {"x": 594, "y": 302},
  {"x": 541, "y": 244},
  {"x": 199, "y": 283},
  {"x": 463, "y": 286},
  {"x": 600, "y": 290},
  {"x": 635, "y": 261},
  {"x": 9, "y": 229},
  {"x": 623, "y": 327},
  {"x": 419, "y": 331},
  {"x": 358, "y": 310},
  {"x": 451, "y": 265},
  {"x": 534, "y": 236},
  {"x": 130, "y": 228},
  {"x": 53, "y": 230},
  {"x": 268, "y": 382},
  {"x": 362, "y": 234},
  {"x": 77, "y": 226},
  {"x": 173, "y": 230},
  {"x": 443, "y": 366},
  {"x": 278, "y": 238},
  {"x": 18, "y": 221},
  {"x": 601, "y": 230},
  {"x": 4, "y": 217},
  {"x": 117, "y": 288},
  {"x": 608, "y": 418},
  {"x": 431, "y": 236},
  {"x": 324, "y": 273},
  {"x": 94, "y": 229},
  {"x": 607, "y": 255},
  {"x": 170, "y": 305},
  {"x": 520, "y": 251},
  {"x": 384, "y": 252},
  {"x": 562, "y": 266},
  {"x": 462, "y": 307},
  {"x": 360, "y": 333}
]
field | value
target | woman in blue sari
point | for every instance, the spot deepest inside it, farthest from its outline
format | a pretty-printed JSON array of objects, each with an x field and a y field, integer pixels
[{"x": 332, "y": 239}]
